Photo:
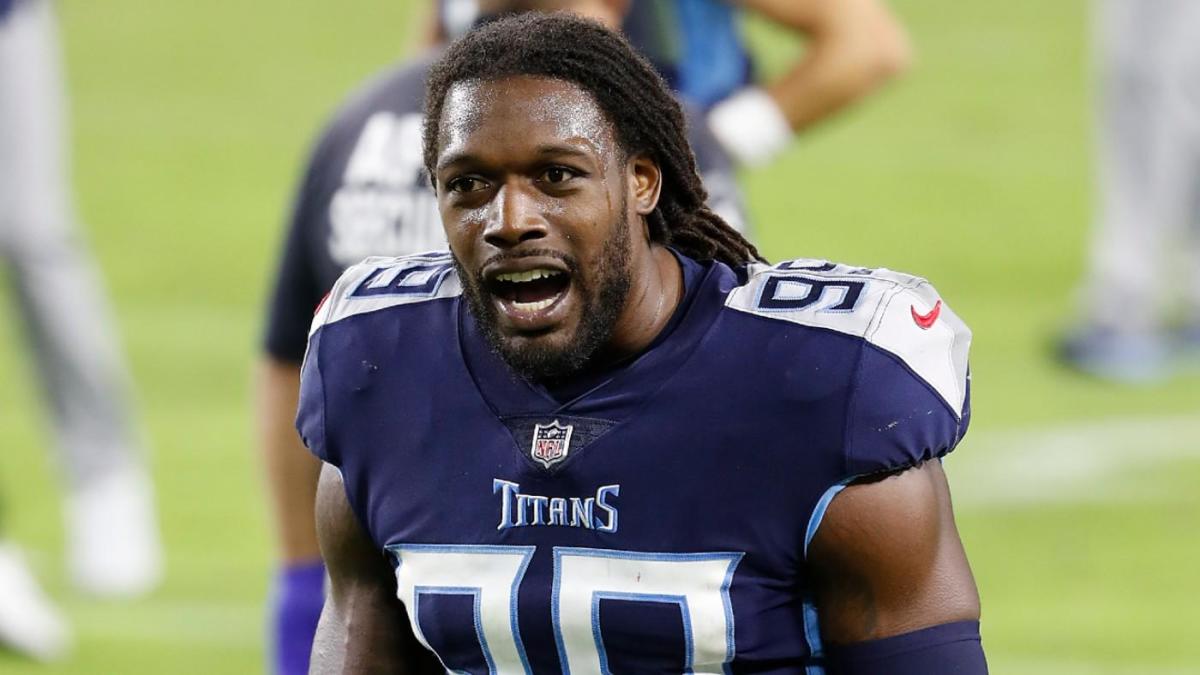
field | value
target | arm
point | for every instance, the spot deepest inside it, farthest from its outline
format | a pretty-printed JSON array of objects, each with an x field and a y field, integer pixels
[
  {"x": 853, "y": 47},
  {"x": 364, "y": 628},
  {"x": 887, "y": 561},
  {"x": 291, "y": 471},
  {"x": 433, "y": 33}
]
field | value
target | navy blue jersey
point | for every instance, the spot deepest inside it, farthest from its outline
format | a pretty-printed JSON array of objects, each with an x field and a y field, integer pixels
[
  {"x": 365, "y": 192},
  {"x": 657, "y": 522},
  {"x": 6, "y": 7},
  {"x": 695, "y": 44}
]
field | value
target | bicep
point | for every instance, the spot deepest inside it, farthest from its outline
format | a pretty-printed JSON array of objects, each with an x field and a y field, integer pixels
[
  {"x": 276, "y": 397},
  {"x": 888, "y": 560},
  {"x": 291, "y": 472},
  {"x": 364, "y": 628}
]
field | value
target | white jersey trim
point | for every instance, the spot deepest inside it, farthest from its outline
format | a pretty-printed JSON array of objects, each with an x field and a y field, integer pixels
[
  {"x": 381, "y": 282},
  {"x": 898, "y": 313}
]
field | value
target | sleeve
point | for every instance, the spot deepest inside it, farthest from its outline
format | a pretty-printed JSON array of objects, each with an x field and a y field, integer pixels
[
  {"x": 310, "y": 413},
  {"x": 296, "y": 289},
  {"x": 910, "y": 398},
  {"x": 346, "y": 299}
]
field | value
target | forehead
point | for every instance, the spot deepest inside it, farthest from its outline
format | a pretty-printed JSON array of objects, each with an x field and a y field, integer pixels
[{"x": 508, "y": 113}]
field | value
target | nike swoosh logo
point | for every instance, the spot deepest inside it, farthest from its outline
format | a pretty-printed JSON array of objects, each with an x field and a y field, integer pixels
[{"x": 926, "y": 321}]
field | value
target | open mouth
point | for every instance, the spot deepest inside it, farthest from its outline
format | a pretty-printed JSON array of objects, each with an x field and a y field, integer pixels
[{"x": 529, "y": 292}]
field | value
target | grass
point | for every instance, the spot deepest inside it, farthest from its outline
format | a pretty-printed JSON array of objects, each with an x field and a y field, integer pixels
[{"x": 190, "y": 120}]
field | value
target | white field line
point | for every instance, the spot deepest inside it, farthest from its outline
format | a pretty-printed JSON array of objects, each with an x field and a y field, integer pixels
[{"x": 1083, "y": 462}]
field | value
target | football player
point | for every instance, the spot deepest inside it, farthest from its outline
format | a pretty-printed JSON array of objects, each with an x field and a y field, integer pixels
[
  {"x": 1145, "y": 248},
  {"x": 365, "y": 192},
  {"x": 112, "y": 535},
  {"x": 600, "y": 434}
]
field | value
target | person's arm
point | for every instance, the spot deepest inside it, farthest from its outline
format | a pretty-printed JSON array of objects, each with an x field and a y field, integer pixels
[
  {"x": 853, "y": 47},
  {"x": 363, "y": 628},
  {"x": 291, "y": 472},
  {"x": 433, "y": 33},
  {"x": 894, "y": 591}
]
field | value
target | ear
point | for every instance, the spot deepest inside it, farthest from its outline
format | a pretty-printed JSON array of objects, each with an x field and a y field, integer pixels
[{"x": 645, "y": 183}]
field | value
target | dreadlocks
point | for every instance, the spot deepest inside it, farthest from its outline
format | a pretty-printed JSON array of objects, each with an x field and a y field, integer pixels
[{"x": 645, "y": 116}]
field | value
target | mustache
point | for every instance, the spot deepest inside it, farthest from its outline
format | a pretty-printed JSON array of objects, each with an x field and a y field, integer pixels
[{"x": 570, "y": 262}]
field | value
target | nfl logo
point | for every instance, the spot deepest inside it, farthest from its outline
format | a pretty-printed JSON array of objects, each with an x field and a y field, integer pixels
[{"x": 550, "y": 443}]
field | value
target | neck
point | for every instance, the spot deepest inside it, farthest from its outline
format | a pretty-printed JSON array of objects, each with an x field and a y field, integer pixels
[{"x": 657, "y": 290}]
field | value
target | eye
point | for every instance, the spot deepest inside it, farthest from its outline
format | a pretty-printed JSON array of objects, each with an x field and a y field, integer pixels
[
  {"x": 558, "y": 174},
  {"x": 464, "y": 184}
]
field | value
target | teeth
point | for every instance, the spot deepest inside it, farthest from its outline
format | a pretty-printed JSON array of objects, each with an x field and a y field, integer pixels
[
  {"x": 533, "y": 306},
  {"x": 531, "y": 275}
]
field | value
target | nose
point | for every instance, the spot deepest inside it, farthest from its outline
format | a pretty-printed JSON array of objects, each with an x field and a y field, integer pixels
[{"x": 516, "y": 217}]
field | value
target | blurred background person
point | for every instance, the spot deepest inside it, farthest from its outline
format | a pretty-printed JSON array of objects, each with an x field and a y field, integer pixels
[
  {"x": 112, "y": 537},
  {"x": 1145, "y": 249},
  {"x": 365, "y": 192},
  {"x": 852, "y": 47}
]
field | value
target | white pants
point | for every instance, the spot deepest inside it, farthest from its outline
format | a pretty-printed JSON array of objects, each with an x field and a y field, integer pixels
[
  {"x": 58, "y": 292},
  {"x": 1145, "y": 253}
]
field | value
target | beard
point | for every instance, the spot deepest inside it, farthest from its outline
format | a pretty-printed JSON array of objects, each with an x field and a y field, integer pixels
[{"x": 603, "y": 291}]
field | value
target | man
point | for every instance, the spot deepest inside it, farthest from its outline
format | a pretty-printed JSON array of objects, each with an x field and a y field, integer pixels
[
  {"x": 851, "y": 48},
  {"x": 1141, "y": 301},
  {"x": 599, "y": 435},
  {"x": 112, "y": 544},
  {"x": 366, "y": 193}
]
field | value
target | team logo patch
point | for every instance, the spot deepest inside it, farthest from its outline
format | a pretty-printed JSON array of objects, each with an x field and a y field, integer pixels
[{"x": 551, "y": 442}]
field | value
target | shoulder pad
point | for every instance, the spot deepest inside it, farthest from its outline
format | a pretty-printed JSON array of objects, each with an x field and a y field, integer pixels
[
  {"x": 379, "y": 282},
  {"x": 896, "y": 312}
]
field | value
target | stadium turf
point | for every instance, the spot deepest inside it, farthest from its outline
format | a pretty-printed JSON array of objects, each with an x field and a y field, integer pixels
[{"x": 1077, "y": 499}]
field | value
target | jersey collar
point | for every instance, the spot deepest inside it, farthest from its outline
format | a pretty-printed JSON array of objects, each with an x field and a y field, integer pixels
[{"x": 620, "y": 391}]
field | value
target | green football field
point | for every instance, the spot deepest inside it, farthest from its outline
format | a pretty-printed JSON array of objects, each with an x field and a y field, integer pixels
[{"x": 1078, "y": 501}]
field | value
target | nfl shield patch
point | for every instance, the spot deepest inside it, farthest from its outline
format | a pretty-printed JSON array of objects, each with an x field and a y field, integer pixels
[{"x": 551, "y": 442}]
